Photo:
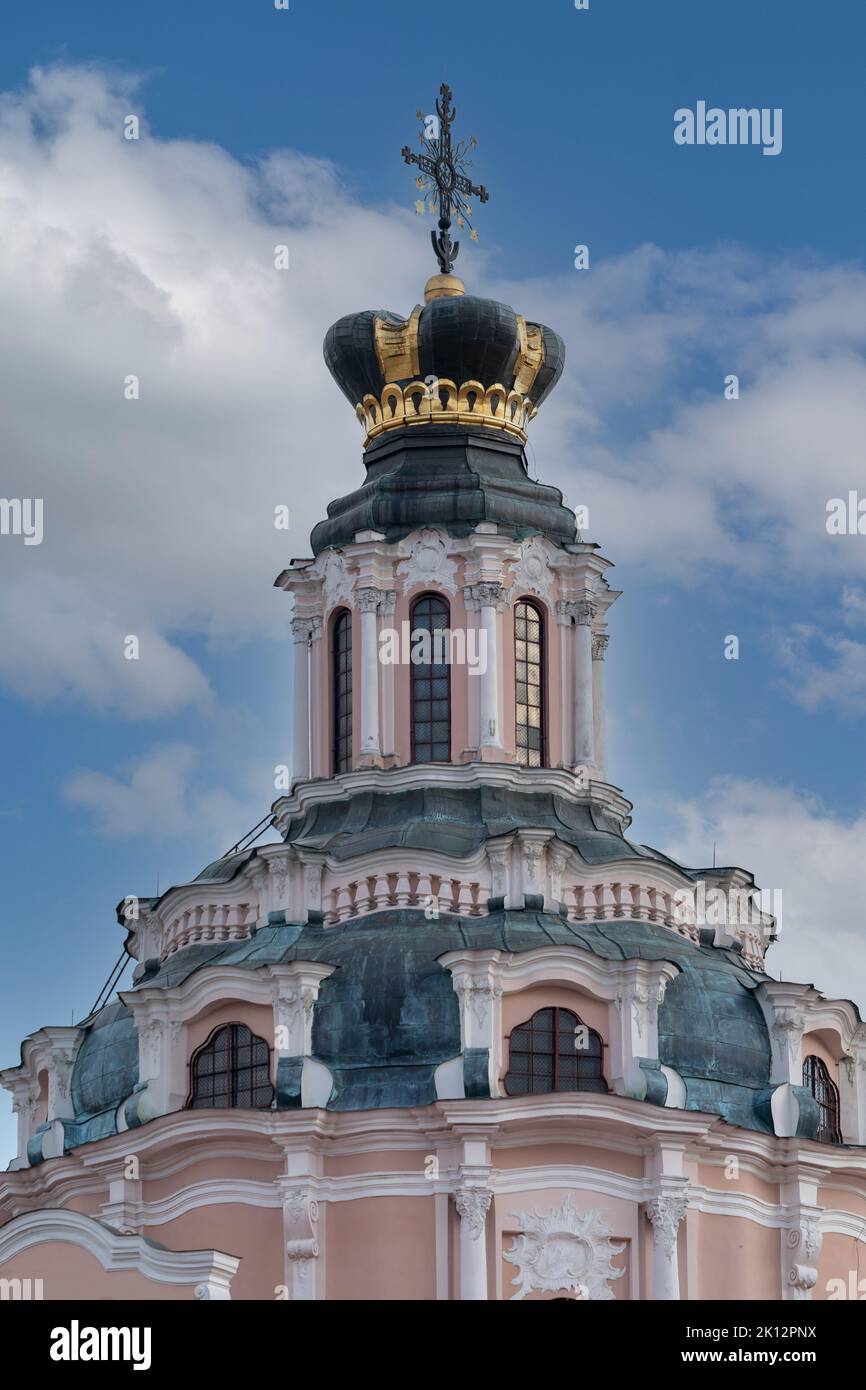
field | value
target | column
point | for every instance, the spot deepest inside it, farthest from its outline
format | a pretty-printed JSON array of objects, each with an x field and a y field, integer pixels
[
  {"x": 387, "y": 609},
  {"x": 665, "y": 1213},
  {"x": 24, "y": 1102},
  {"x": 584, "y": 751},
  {"x": 566, "y": 665},
  {"x": 368, "y": 600},
  {"x": 801, "y": 1236},
  {"x": 301, "y": 632},
  {"x": 473, "y": 715},
  {"x": 473, "y": 1204},
  {"x": 490, "y": 598},
  {"x": 300, "y": 1234},
  {"x": 599, "y": 647},
  {"x": 317, "y": 700}
]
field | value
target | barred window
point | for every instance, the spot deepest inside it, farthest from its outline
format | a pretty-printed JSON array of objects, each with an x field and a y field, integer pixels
[
  {"x": 431, "y": 685},
  {"x": 554, "y": 1051},
  {"x": 817, "y": 1078},
  {"x": 529, "y": 683},
  {"x": 232, "y": 1070},
  {"x": 341, "y": 666}
]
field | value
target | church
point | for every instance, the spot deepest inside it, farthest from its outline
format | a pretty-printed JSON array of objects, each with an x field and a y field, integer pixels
[{"x": 450, "y": 1034}]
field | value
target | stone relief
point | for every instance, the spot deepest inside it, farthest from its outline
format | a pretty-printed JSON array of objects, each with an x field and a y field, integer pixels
[
  {"x": 532, "y": 573},
  {"x": 428, "y": 563},
  {"x": 562, "y": 1250},
  {"x": 336, "y": 582}
]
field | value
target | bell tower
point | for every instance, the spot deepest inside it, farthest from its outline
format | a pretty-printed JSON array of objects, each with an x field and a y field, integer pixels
[{"x": 450, "y": 625}]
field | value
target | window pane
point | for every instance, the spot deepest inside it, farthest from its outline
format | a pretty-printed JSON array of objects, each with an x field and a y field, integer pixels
[
  {"x": 543, "y": 1056},
  {"x": 232, "y": 1069},
  {"x": 529, "y": 684},
  {"x": 431, "y": 686},
  {"x": 341, "y": 666}
]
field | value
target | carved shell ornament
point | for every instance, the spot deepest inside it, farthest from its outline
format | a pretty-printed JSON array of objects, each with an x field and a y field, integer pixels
[
  {"x": 563, "y": 1250},
  {"x": 532, "y": 572},
  {"x": 336, "y": 583},
  {"x": 428, "y": 563}
]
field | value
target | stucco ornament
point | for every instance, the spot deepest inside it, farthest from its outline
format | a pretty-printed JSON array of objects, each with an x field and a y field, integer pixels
[
  {"x": 428, "y": 563},
  {"x": 336, "y": 582},
  {"x": 532, "y": 572},
  {"x": 473, "y": 1204},
  {"x": 803, "y": 1240},
  {"x": 664, "y": 1214},
  {"x": 563, "y": 1250}
]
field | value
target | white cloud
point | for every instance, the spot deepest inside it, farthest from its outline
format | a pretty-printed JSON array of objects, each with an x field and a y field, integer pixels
[
  {"x": 155, "y": 257},
  {"x": 160, "y": 795},
  {"x": 791, "y": 842},
  {"x": 688, "y": 483},
  {"x": 825, "y": 670},
  {"x": 853, "y": 605}
]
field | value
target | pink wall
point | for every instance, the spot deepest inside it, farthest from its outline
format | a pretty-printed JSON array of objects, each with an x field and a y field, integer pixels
[
  {"x": 68, "y": 1272},
  {"x": 713, "y": 1176},
  {"x": 381, "y": 1248},
  {"x": 210, "y": 1170},
  {"x": 842, "y": 1258},
  {"x": 542, "y": 1155},
  {"x": 826, "y": 1046},
  {"x": 738, "y": 1259},
  {"x": 254, "y": 1234}
]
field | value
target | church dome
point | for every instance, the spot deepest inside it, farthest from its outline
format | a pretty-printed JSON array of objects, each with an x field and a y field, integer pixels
[
  {"x": 106, "y": 1067},
  {"x": 459, "y": 360}
]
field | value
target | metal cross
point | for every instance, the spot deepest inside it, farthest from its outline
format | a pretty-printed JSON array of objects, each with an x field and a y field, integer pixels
[{"x": 443, "y": 167}]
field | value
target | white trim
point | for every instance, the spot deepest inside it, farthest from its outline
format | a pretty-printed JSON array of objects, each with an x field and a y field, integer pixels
[
  {"x": 212, "y": 1192},
  {"x": 503, "y": 1183},
  {"x": 208, "y": 1269},
  {"x": 633, "y": 990},
  {"x": 558, "y": 781}
]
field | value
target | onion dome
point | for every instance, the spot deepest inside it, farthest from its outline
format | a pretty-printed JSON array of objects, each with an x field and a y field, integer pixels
[{"x": 459, "y": 360}]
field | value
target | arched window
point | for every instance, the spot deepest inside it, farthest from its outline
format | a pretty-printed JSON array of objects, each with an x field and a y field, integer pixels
[
  {"x": 817, "y": 1078},
  {"x": 341, "y": 667},
  {"x": 431, "y": 683},
  {"x": 554, "y": 1051},
  {"x": 529, "y": 683},
  {"x": 231, "y": 1070}
]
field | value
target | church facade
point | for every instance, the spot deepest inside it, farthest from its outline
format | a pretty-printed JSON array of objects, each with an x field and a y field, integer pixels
[{"x": 453, "y": 1035}]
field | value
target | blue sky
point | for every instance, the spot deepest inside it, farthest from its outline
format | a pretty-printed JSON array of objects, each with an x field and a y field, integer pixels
[{"x": 147, "y": 257}]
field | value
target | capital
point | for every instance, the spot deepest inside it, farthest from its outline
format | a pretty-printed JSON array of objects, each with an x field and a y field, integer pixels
[
  {"x": 473, "y": 1204},
  {"x": 369, "y": 600},
  {"x": 488, "y": 595}
]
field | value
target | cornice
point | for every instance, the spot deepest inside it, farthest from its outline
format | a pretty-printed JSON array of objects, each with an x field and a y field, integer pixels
[
  {"x": 216, "y": 983},
  {"x": 116, "y": 1252},
  {"x": 557, "y": 781}
]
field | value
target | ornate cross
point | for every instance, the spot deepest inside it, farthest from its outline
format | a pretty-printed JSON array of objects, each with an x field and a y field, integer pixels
[{"x": 443, "y": 167}]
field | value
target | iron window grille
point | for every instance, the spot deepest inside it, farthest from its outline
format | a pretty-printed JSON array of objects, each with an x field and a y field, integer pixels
[
  {"x": 529, "y": 683},
  {"x": 341, "y": 666},
  {"x": 232, "y": 1070},
  {"x": 817, "y": 1078},
  {"x": 431, "y": 685},
  {"x": 554, "y": 1051}
]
